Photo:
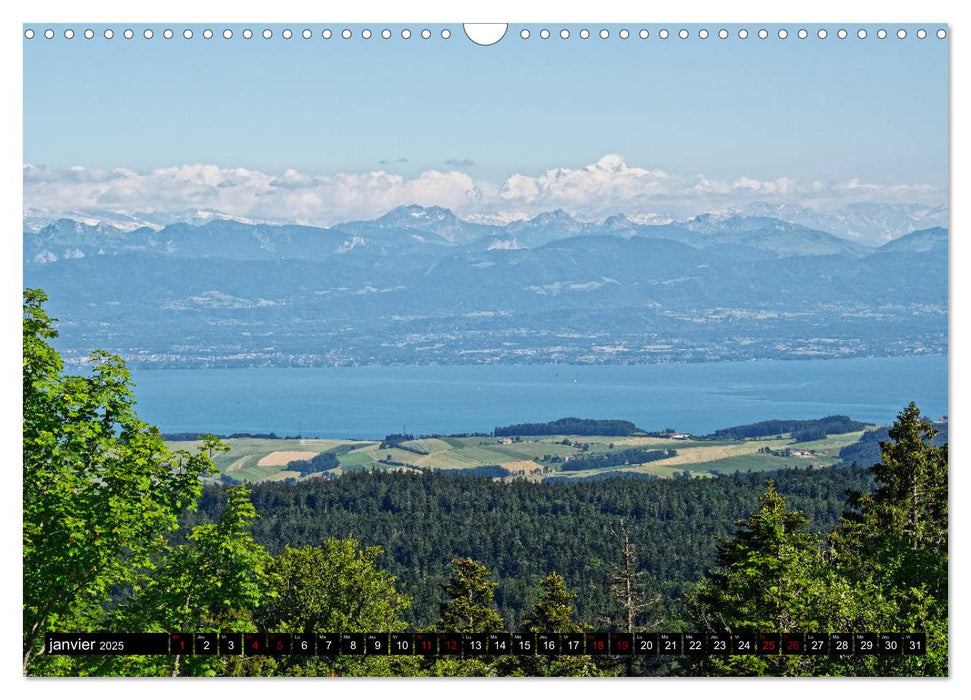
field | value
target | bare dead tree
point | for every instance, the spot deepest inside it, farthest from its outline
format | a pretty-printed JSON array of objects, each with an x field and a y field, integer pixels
[{"x": 627, "y": 584}]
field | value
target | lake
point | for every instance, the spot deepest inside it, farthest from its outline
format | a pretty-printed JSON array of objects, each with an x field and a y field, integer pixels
[{"x": 370, "y": 402}]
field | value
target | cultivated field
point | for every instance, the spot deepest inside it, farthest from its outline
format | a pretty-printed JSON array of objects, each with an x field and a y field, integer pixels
[
  {"x": 249, "y": 458},
  {"x": 533, "y": 458},
  {"x": 280, "y": 459}
]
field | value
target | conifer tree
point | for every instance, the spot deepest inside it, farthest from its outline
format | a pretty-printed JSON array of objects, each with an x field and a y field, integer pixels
[
  {"x": 894, "y": 541},
  {"x": 767, "y": 580},
  {"x": 553, "y": 611},
  {"x": 747, "y": 593},
  {"x": 885, "y": 569},
  {"x": 908, "y": 510},
  {"x": 470, "y": 606}
]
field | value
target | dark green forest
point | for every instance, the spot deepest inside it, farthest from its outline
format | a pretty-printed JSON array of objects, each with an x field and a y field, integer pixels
[
  {"x": 120, "y": 534},
  {"x": 570, "y": 426},
  {"x": 632, "y": 455},
  {"x": 523, "y": 530},
  {"x": 802, "y": 430},
  {"x": 866, "y": 450},
  {"x": 318, "y": 463}
]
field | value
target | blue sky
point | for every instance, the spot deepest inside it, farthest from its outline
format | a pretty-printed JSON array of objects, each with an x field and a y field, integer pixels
[{"x": 828, "y": 112}]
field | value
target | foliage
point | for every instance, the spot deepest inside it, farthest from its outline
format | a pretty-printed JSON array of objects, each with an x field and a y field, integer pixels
[
  {"x": 335, "y": 587},
  {"x": 883, "y": 568},
  {"x": 809, "y": 435},
  {"x": 103, "y": 494},
  {"x": 633, "y": 455},
  {"x": 553, "y": 611},
  {"x": 570, "y": 426},
  {"x": 831, "y": 425},
  {"x": 469, "y": 606},
  {"x": 743, "y": 595},
  {"x": 494, "y": 471},
  {"x": 866, "y": 450},
  {"x": 895, "y": 539},
  {"x": 211, "y": 582},
  {"x": 522, "y": 530},
  {"x": 318, "y": 463},
  {"x": 191, "y": 437},
  {"x": 100, "y": 488},
  {"x": 395, "y": 440},
  {"x": 768, "y": 579},
  {"x": 201, "y": 584}
]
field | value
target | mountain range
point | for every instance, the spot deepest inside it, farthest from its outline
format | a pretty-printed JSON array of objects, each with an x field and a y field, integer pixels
[
  {"x": 869, "y": 223},
  {"x": 422, "y": 285},
  {"x": 410, "y": 228}
]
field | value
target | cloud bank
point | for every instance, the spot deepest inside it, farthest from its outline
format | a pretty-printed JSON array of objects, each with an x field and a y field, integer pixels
[{"x": 606, "y": 187}]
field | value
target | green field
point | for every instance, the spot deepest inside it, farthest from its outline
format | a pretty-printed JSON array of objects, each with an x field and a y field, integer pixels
[{"x": 253, "y": 460}]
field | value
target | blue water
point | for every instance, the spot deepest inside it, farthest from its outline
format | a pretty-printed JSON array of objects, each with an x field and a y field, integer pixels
[{"x": 370, "y": 402}]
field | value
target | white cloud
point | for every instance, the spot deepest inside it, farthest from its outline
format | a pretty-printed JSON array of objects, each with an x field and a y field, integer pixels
[
  {"x": 238, "y": 192},
  {"x": 609, "y": 178},
  {"x": 611, "y": 185},
  {"x": 608, "y": 186}
]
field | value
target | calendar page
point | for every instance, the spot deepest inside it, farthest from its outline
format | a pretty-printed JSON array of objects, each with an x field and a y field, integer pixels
[{"x": 560, "y": 350}]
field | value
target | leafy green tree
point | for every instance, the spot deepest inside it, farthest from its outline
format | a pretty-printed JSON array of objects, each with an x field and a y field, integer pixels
[
  {"x": 336, "y": 587},
  {"x": 469, "y": 607},
  {"x": 209, "y": 583},
  {"x": 100, "y": 488}
]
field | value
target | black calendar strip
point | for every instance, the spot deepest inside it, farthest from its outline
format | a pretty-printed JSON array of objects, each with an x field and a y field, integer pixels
[{"x": 489, "y": 644}]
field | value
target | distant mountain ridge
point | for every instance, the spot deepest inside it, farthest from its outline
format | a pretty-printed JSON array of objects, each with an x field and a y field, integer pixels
[
  {"x": 918, "y": 242},
  {"x": 870, "y": 223},
  {"x": 420, "y": 285},
  {"x": 410, "y": 230},
  {"x": 866, "y": 223}
]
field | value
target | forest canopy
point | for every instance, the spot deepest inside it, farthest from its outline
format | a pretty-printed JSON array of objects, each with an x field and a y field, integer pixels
[
  {"x": 802, "y": 430},
  {"x": 570, "y": 426}
]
